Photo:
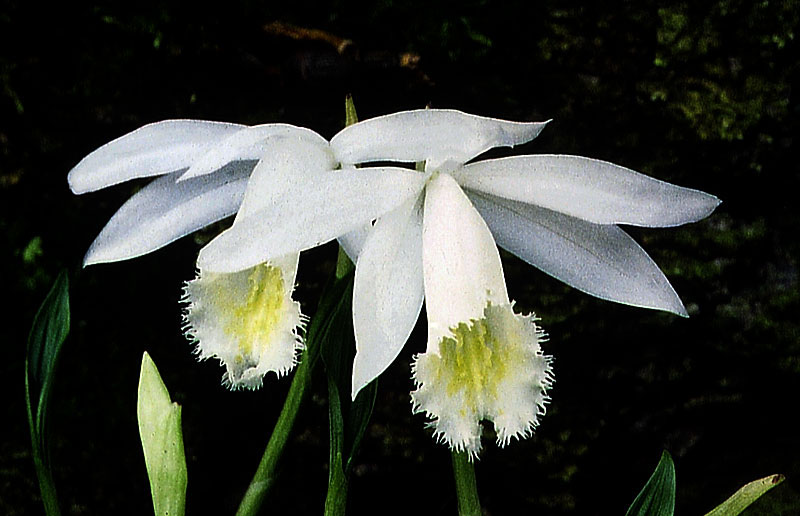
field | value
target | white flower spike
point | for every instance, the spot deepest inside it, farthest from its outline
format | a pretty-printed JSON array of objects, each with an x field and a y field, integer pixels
[{"x": 247, "y": 320}]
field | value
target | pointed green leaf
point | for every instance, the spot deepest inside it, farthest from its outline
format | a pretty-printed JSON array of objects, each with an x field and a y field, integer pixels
[
  {"x": 350, "y": 115},
  {"x": 162, "y": 441},
  {"x": 48, "y": 332},
  {"x": 326, "y": 332},
  {"x": 348, "y": 419},
  {"x": 657, "y": 498},
  {"x": 332, "y": 331},
  {"x": 335, "y": 341},
  {"x": 748, "y": 494}
]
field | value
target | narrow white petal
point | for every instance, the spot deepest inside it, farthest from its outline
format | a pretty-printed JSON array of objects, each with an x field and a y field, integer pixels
[
  {"x": 290, "y": 161},
  {"x": 249, "y": 143},
  {"x": 601, "y": 260},
  {"x": 164, "y": 211},
  {"x": 151, "y": 150},
  {"x": 309, "y": 213},
  {"x": 461, "y": 264},
  {"x": 388, "y": 291},
  {"x": 429, "y": 134},
  {"x": 589, "y": 189},
  {"x": 353, "y": 242}
]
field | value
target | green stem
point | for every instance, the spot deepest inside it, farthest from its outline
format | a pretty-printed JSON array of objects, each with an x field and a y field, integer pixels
[
  {"x": 466, "y": 487},
  {"x": 336, "y": 499},
  {"x": 49, "y": 497},
  {"x": 343, "y": 264},
  {"x": 46, "y": 484},
  {"x": 265, "y": 474}
]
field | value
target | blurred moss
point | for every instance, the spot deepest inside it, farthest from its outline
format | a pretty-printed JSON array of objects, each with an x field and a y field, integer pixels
[
  {"x": 32, "y": 251},
  {"x": 714, "y": 61}
]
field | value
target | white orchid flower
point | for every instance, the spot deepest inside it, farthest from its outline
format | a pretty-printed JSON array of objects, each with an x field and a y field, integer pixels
[
  {"x": 558, "y": 213},
  {"x": 483, "y": 361},
  {"x": 247, "y": 320}
]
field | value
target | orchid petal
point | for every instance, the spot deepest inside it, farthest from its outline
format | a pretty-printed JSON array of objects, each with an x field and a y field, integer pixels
[
  {"x": 310, "y": 212},
  {"x": 461, "y": 263},
  {"x": 388, "y": 291},
  {"x": 249, "y": 143},
  {"x": 429, "y": 134},
  {"x": 289, "y": 161},
  {"x": 353, "y": 242},
  {"x": 151, "y": 150},
  {"x": 592, "y": 190},
  {"x": 601, "y": 260},
  {"x": 164, "y": 211}
]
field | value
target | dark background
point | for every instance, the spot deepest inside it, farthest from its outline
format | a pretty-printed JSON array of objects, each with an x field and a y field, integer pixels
[{"x": 702, "y": 94}]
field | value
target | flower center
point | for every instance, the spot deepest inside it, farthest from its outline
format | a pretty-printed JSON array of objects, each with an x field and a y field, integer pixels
[
  {"x": 473, "y": 362},
  {"x": 491, "y": 368},
  {"x": 252, "y": 321},
  {"x": 247, "y": 320}
]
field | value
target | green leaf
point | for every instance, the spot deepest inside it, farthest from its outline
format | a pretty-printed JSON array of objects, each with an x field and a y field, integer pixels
[
  {"x": 332, "y": 331},
  {"x": 338, "y": 349},
  {"x": 748, "y": 494},
  {"x": 162, "y": 441},
  {"x": 48, "y": 332},
  {"x": 657, "y": 497},
  {"x": 326, "y": 332}
]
